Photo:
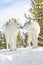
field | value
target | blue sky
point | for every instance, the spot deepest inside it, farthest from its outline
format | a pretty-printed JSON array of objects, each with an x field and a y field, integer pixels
[
  {"x": 6, "y": 3},
  {"x": 13, "y": 9}
]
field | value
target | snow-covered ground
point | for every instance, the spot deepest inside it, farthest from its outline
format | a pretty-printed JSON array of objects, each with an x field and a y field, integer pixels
[{"x": 22, "y": 56}]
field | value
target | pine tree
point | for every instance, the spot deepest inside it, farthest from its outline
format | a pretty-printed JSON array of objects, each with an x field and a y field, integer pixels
[
  {"x": 37, "y": 12},
  {"x": 0, "y": 39},
  {"x": 25, "y": 40},
  {"x": 19, "y": 40},
  {"x": 37, "y": 9}
]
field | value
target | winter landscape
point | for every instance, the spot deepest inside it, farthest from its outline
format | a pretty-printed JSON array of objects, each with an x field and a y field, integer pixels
[
  {"x": 21, "y": 32},
  {"x": 24, "y": 56}
]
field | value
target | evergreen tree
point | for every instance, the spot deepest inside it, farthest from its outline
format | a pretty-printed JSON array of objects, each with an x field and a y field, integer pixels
[
  {"x": 19, "y": 40},
  {"x": 37, "y": 9},
  {"x": 0, "y": 39},
  {"x": 37, "y": 12},
  {"x": 25, "y": 40}
]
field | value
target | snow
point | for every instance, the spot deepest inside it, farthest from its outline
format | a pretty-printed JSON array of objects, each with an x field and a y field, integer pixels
[{"x": 22, "y": 56}]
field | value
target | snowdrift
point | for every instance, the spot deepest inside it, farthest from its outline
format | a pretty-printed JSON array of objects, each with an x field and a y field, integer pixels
[{"x": 22, "y": 56}]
